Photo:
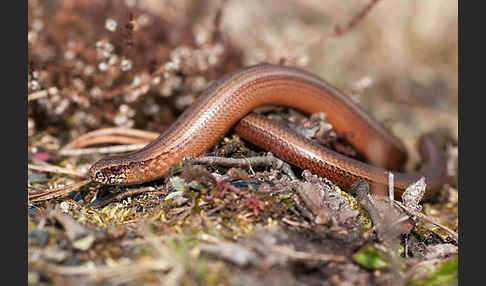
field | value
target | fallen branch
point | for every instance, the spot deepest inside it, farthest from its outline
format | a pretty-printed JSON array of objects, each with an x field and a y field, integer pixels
[{"x": 268, "y": 160}]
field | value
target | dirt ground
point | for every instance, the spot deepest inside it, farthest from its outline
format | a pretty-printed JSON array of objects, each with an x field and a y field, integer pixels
[{"x": 137, "y": 64}]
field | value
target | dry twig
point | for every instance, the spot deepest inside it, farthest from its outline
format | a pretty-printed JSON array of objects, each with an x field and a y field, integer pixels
[
  {"x": 118, "y": 274},
  {"x": 307, "y": 255},
  {"x": 84, "y": 140},
  {"x": 37, "y": 95},
  {"x": 56, "y": 169},
  {"x": 268, "y": 160},
  {"x": 121, "y": 196},
  {"x": 427, "y": 219},
  {"x": 57, "y": 192},
  {"x": 101, "y": 150}
]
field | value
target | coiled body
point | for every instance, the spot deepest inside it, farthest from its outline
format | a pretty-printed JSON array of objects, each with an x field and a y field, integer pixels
[{"x": 234, "y": 96}]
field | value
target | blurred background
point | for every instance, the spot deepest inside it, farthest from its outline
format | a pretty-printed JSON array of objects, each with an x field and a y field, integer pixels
[{"x": 399, "y": 61}]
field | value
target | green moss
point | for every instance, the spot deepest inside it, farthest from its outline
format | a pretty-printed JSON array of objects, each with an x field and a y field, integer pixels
[
  {"x": 446, "y": 273},
  {"x": 371, "y": 257}
]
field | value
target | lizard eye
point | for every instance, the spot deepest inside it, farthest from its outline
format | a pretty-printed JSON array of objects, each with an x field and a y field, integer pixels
[{"x": 99, "y": 177}]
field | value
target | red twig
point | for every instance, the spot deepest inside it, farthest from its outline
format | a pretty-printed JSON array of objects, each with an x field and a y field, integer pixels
[
  {"x": 217, "y": 22},
  {"x": 253, "y": 202},
  {"x": 338, "y": 31}
]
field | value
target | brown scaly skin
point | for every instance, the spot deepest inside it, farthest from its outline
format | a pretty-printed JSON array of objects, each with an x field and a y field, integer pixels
[{"x": 234, "y": 96}]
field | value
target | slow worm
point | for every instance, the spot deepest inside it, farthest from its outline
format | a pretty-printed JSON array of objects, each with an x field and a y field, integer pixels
[{"x": 228, "y": 102}]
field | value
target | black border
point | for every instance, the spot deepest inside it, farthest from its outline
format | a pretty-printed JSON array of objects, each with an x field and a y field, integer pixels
[
  {"x": 471, "y": 129},
  {"x": 14, "y": 161},
  {"x": 463, "y": 168}
]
